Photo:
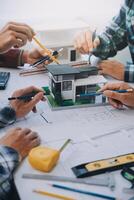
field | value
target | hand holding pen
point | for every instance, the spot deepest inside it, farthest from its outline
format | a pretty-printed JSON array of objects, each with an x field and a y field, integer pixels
[
  {"x": 86, "y": 41},
  {"x": 25, "y": 100},
  {"x": 118, "y": 99},
  {"x": 46, "y": 59}
]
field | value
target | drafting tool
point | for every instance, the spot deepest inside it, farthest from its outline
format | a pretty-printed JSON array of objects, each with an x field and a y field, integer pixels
[
  {"x": 45, "y": 158},
  {"x": 46, "y": 50},
  {"x": 53, "y": 195},
  {"x": 33, "y": 71},
  {"x": 128, "y": 174},
  {"x": 39, "y": 62},
  {"x": 84, "y": 192},
  {"x": 45, "y": 58},
  {"x": 41, "y": 114},
  {"x": 102, "y": 166},
  {"x": 105, "y": 181},
  {"x": 26, "y": 97}
]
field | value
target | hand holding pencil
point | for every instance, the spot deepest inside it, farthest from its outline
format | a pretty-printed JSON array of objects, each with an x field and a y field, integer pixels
[
  {"x": 118, "y": 99},
  {"x": 47, "y": 51},
  {"x": 27, "y": 103}
]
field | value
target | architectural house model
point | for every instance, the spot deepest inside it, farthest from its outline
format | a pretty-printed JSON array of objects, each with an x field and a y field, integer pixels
[{"x": 73, "y": 86}]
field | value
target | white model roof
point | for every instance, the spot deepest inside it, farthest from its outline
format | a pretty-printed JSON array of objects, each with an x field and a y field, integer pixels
[{"x": 94, "y": 79}]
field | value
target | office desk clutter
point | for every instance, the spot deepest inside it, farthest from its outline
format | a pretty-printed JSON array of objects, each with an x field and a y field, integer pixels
[
  {"x": 73, "y": 85},
  {"x": 106, "y": 165}
]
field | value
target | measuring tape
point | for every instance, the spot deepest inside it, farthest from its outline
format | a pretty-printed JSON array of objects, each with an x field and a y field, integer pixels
[{"x": 102, "y": 166}]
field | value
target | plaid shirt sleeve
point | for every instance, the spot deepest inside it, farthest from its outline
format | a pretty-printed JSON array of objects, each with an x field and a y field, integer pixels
[
  {"x": 115, "y": 37},
  {"x": 9, "y": 159},
  {"x": 129, "y": 72}
]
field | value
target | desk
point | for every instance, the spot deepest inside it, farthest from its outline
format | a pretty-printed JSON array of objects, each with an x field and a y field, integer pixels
[{"x": 97, "y": 146}]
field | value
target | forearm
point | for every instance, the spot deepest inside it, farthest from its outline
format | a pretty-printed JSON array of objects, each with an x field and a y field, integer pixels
[{"x": 12, "y": 58}]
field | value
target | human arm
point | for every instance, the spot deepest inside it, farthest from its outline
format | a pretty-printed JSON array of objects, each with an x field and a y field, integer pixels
[
  {"x": 12, "y": 36},
  {"x": 106, "y": 44},
  {"x": 20, "y": 108},
  {"x": 16, "y": 57},
  {"x": 116, "y": 99},
  {"x": 12, "y": 151}
]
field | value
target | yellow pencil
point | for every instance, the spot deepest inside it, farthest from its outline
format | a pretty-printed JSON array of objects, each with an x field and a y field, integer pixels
[
  {"x": 53, "y": 195},
  {"x": 46, "y": 50}
]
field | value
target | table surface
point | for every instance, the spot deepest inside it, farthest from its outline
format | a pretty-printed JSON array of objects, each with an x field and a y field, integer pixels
[{"x": 25, "y": 186}]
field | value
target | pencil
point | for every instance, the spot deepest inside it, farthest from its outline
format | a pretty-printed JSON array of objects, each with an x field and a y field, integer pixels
[
  {"x": 53, "y": 195},
  {"x": 26, "y": 97},
  {"x": 46, "y": 50},
  {"x": 83, "y": 192},
  {"x": 100, "y": 93}
]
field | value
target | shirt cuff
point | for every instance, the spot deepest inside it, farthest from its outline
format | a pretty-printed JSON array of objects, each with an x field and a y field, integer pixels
[
  {"x": 7, "y": 116},
  {"x": 9, "y": 157},
  {"x": 12, "y": 58},
  {"x": 129, "y": 73}
]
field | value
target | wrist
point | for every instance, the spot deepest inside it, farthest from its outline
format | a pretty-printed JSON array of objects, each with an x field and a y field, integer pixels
[
  {"x": 24, "y": 57},
  {"x": 7, "y": 116}
]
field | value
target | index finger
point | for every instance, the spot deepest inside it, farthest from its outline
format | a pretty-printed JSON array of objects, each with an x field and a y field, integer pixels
[
  {"x": 28, "y": 90},
  {"x": 110, "y": 86},
  {"x": 88, "y": 37},
  {"x": 22, "y": 29},
  {"x": 22, "y": 24}
]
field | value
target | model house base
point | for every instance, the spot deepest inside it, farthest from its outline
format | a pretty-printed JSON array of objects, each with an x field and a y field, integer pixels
[{"x": 71, "y": 87}]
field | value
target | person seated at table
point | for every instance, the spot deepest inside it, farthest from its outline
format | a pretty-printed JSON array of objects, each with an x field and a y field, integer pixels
[
  {"x": 13, "y": 36},
  {"x": 118, "y": 35},
  {"x": 117, "y": 100},
  {"x": 17, "y": 142}
]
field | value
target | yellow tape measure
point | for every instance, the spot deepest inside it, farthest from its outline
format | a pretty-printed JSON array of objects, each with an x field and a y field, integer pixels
[{"x": 105, "y": 165}]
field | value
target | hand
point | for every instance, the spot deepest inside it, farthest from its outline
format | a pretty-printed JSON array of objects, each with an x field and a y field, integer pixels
[
  {"x": 21, "y": 107},
  {"x": 31, "y": 57},
  {"x": 112, "y": 68},
  {"x": 15, "y": 35},
  {"x": 22, "y": 140},
  {"x": 116, "y": 99},
  {"x": 83, "y": 42}
]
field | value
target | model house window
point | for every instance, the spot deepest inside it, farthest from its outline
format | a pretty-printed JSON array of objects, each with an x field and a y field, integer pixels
[{"x": 66, "y": 85}]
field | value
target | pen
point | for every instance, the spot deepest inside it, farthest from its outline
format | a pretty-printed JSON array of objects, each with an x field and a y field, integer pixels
[
  {"x": 53, "y": 195},
  {"x": 26, "y": 97},
  {"x": 100, "y": 93},
  {"x": 83, "y": 192}
]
